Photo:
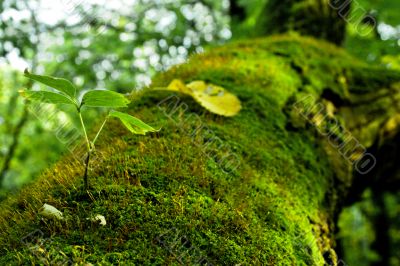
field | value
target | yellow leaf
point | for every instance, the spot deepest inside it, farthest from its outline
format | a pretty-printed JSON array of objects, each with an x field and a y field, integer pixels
[
  {"x": 178, "y": 85},
  {"x": 212, "y": 97}
]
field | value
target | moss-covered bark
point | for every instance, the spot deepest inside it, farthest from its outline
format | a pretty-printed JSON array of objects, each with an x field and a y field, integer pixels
[
  {"x": 174, "y": 197},
  {"x": 324, "y": 19}
]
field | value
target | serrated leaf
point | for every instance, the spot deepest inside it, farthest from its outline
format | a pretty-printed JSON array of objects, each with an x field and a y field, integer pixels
[
  {"x": 46, "y": 97},
  {"x": 212, "y": 97},
  {"x": 60, "y": 84},
  {"x": 133, "y": 124},
  {"x": 104, "y": 98}
]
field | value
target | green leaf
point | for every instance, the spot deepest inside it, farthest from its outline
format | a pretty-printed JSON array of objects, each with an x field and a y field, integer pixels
[
  {"x": 104, "y": 98},
  {"x": 62, "y": 85},
  {"x": 46, "y": 97},
  {"x": 135, "y": 125}
]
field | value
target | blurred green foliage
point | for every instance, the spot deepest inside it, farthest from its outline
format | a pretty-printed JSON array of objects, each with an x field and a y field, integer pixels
[
  {"x": 381, "y": 37},
  {"x": 37, "y": 146},
  {"x": 359, "y": 235}
]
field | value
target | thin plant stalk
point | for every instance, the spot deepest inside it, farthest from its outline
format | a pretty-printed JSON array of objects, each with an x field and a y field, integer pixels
[
  {"x": 101, "y": 128},
  {"x": 84, "y": 129},
  {"x": 90, "y": 147},
  {"x": 85, "y": 176}
]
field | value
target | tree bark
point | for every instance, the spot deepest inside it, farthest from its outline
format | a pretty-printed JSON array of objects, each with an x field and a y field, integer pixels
[
  {"x": 311, "y": 116},
  {"x": 236, "y": 11},
  {"x": 323, "y": 19}
]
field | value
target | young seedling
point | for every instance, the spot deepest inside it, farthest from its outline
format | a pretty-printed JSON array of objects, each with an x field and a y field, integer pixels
[{"x": 66, "y": 93}]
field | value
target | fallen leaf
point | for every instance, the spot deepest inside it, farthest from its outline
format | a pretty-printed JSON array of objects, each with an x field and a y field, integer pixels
[
  {"x": 212, "y": 97},
  {"x": 178, "y": 85}
]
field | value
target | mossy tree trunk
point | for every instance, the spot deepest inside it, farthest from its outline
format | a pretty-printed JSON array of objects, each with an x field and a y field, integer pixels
[
  {"x": 298, "y": 147},
  {"x": 323, "y": 19}
]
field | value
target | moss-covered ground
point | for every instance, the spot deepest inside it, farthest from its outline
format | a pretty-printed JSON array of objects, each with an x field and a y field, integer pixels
[{"x": 255, "y": 189}]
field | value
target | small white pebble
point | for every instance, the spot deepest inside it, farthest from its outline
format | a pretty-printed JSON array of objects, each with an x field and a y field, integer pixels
[
  {"x": 49, "y": 211},
  {"x": 101, "y": 219}
]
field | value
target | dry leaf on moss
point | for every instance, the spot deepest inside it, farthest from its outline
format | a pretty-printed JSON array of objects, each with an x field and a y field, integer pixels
[{"x": 212, "y": 97}]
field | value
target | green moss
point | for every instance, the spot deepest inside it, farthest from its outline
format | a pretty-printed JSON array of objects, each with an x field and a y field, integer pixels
[{"x": 171, "y": 198}]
